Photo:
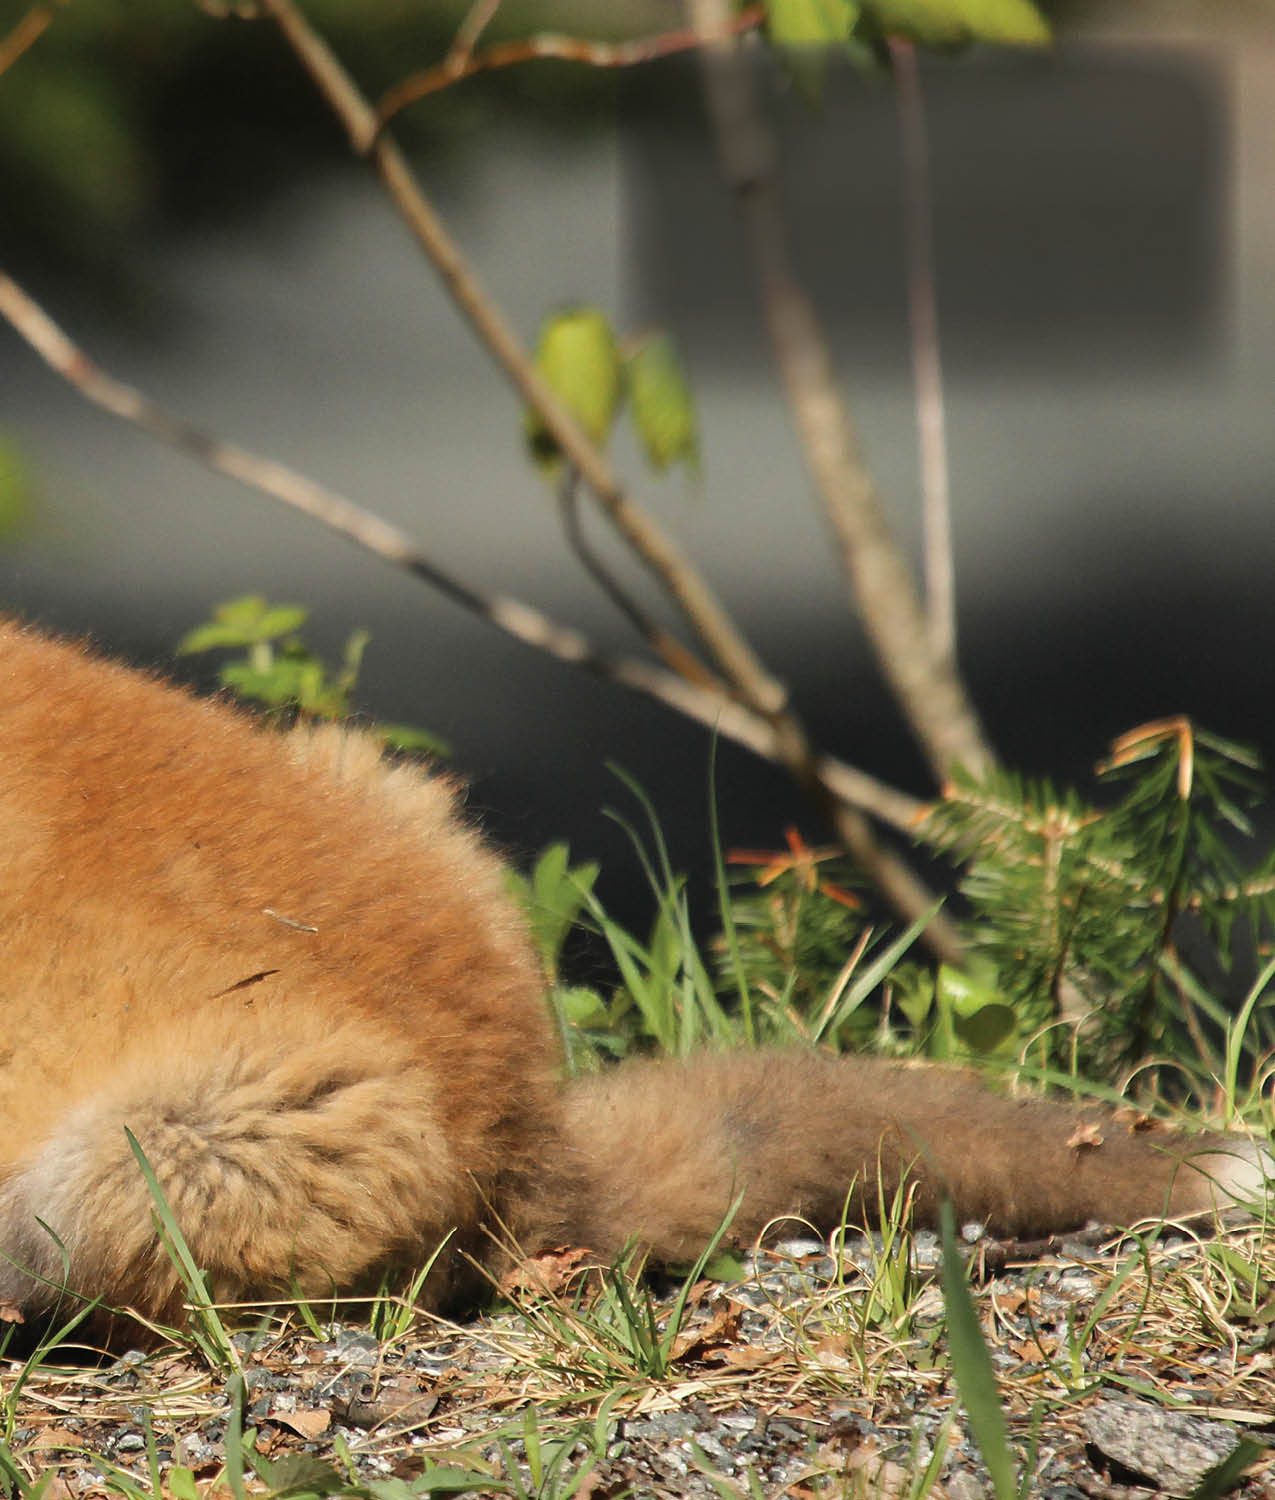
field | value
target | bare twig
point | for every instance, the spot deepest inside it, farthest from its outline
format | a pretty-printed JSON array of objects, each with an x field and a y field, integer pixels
[
  {"x": 679, "y": 577},
  {"x": 463, "y": 62},
  {"x": 666, "y": 646},
  {"x": 732, "y": 654},
  {"x": 883, "y": 590},
  {"x": 927, "y": 374},
  {"x": 479, "y": 16},
  {"x": 27, "y": 32},
  {"x": 779, "y": 735},
  {"x": 703, "y": 705}
]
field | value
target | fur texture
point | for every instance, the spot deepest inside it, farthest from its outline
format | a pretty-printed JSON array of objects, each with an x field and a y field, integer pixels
[{"x": 292, "y": 972}]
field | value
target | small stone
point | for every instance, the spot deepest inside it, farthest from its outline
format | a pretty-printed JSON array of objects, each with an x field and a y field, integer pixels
[
  {"x": 964, "y": 1486},
  {"x": 1173, "y": 1450},
  {"x": 353, "y": 1346}
]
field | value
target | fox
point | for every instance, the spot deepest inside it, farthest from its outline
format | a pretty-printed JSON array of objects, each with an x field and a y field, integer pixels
[{"x": 292, "y": 971}]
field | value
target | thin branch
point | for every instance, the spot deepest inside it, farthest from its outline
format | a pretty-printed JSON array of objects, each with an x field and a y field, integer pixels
[
  {"x": 477, "y": 19},
  {"x": 463, "y": 62},
  {"x": 927, "y": 372},
  {"x": 735, "y": 658},
  {"x": 27, "y": 32},
  {"x": 523, "y": 622},
  {"x": 749, "y": 681},
  {"x": 883, "y": 591},
  {"x": 664, "y": 645}
]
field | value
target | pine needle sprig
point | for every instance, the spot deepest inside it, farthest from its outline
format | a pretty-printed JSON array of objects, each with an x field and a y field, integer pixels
[{"x": 1115, "y": 920}]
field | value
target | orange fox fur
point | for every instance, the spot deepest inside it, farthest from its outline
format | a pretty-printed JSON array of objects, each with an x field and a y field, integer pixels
[{"x": 294, "y": 974}]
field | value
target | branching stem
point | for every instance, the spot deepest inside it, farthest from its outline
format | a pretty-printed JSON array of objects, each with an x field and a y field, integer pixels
[
  {"x": 734, "y": 658},
  {"x": 883, "y": 591},
  {"x": 464, "y": 62},
  {"x": 927, "y": 371}
]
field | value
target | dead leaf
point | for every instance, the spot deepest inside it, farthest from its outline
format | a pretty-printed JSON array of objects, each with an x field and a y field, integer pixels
[
  {"x": 749, "y": 1357},
  {"x": 308, "y": 1423},
  {"x": 1037, "y": 1350},
  {"x": 270, "y": 1439},
  {"x": 10, "y": 1312},
  {"x": 830, "y": 1354},
  {"x": 587, "y": 1488},
  {"x": 1087, "y": 1136},
  {"x": 1013, "y": 1299},
  {"x": 708, "y": 1341},
  {"x": 547, "y": 1274},
  {"x": 881, "y": 1477},
  {"x": 57, "y": 1437},
  {"x": 391, "y": 1401}
]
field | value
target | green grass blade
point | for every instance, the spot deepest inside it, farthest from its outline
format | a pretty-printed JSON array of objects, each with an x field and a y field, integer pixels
[
  {"x": 1223, "y": 1477},
  {"x": 1235, "y": 1037},
  {"x": 206, "y": 1326},
  {"x": 678, "y": 1313},
  {"x": 726, "y": 908},
  {"x": 235, "y": 1390},
  {"x": 972, "y": 1367},
  {"x": 875, "y": 972}
]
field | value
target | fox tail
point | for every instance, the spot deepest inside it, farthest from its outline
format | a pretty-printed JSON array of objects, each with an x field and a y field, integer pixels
[{"x": 664, "y": 1148}]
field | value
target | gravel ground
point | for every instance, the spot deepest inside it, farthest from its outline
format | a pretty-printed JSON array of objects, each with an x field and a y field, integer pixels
[{"x": 796, "y": 1381}]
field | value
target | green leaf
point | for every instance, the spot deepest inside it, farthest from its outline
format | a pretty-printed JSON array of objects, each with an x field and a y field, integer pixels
[
  {"x": 409, "y": 737},
  {"x": 663, "y": 407},
  {"x": 1005, "y": 23},
  {"x": 725, "y": 1265},
  {"x": 966, "y": 991},
  {"x": 552, "y": 899},
  {"x": 973, "y": 1006},
  {"x": 286, "y": 682},
  {"x": 352, "y": 659},
  {"x": 450, "y": 1479},
  {"x": 805, "y": 31},
  {"x": 872, "y": 975},
  {"x": 579, "y": 361},
  {"x": 988, "y": 1028},
  {"x": 73, "y": 133},
  {"x": 246, "y": 621},
  {"x": 913, "y": 993},
  {"x": 810, "y": 23},
  {"x": 583, "y": 1006},
  {"x": 181, "y": 1483},
  {"x": 206, "y": 1326},
  {"x": 296, "y": 1474}
]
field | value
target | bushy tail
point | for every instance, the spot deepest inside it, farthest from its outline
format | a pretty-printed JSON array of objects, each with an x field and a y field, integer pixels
[
  {"x": 666, "y": 1146},
  {"x": 282, "y": 1167}
]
